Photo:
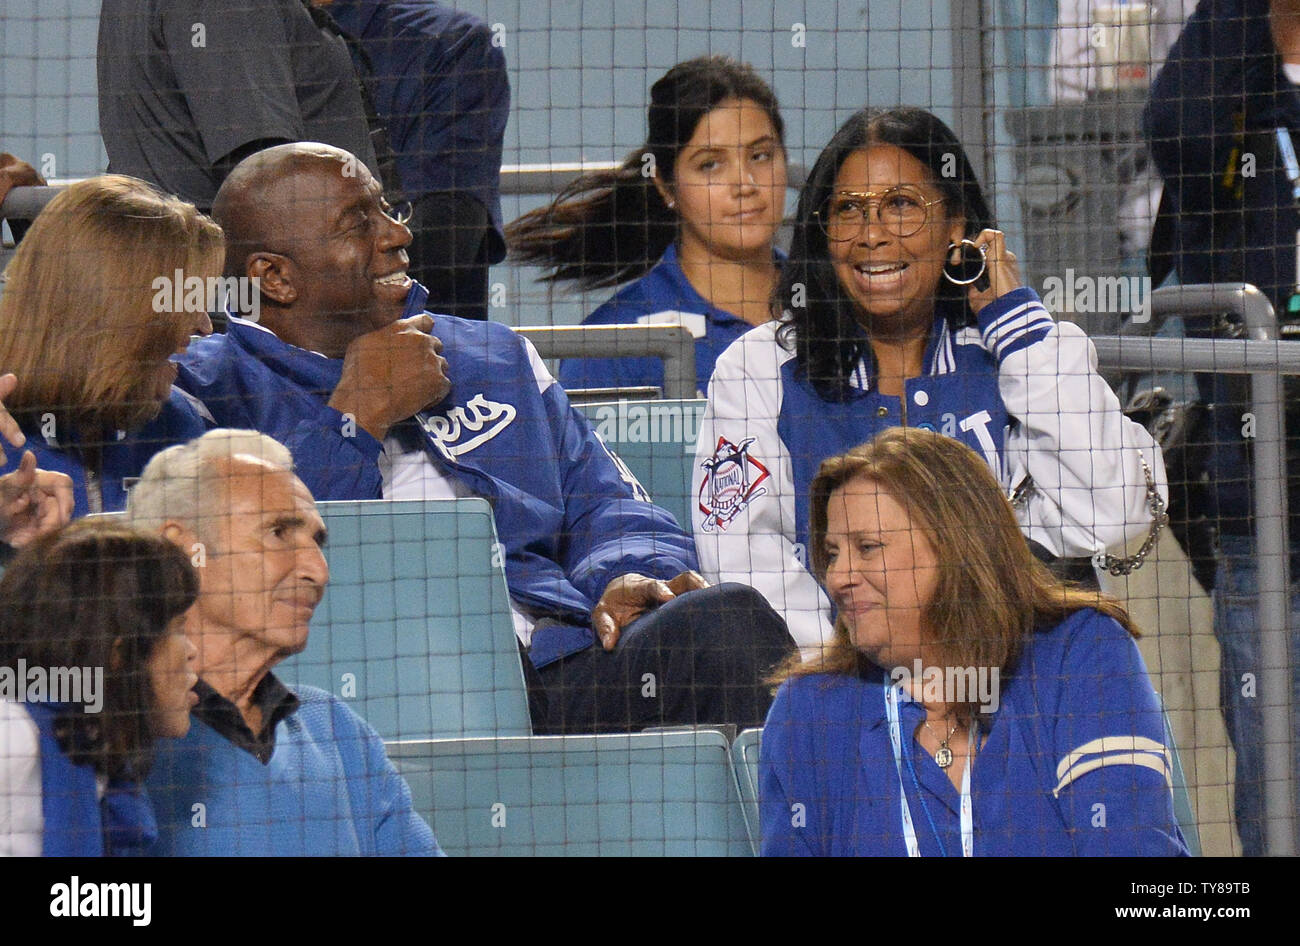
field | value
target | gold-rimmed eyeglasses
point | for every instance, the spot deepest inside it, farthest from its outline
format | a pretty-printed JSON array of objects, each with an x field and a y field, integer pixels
[
  {"x": 402, "y": 211},
  {"x": 901, "y": 210}
]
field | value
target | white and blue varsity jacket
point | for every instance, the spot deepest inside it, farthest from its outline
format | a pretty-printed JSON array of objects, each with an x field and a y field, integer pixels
[{"x": 1020, "y": 389}]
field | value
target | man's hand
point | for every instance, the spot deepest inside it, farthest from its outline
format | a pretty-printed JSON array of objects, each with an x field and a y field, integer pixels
[
  {"x": 33, "y": 502},
  {"x": 16, "y": 173},
  {"x": 627, "y": 597},
  {"x": 390, "y": 374}
]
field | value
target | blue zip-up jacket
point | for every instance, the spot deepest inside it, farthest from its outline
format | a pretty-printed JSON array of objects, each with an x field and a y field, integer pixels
[
  {"x": 1076, "y": 732},
  {"x": 76, "y": 821},
  {"x": 121, "y": 460},
  {"x": 1211, "y": 121},
  {"x": 571, "y": 518},
  {"x": 663, "y": 296}
]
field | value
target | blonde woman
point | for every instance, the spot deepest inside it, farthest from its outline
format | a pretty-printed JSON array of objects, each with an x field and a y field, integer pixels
[{"x": 89, "y": 330}]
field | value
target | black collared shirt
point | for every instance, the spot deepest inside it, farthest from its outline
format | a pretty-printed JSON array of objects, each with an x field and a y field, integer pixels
[{"x": 273, "y": 698}]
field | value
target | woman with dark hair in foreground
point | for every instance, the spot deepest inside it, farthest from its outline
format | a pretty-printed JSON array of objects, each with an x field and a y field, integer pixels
[
  {"x": 100, "y": 608},
  {"x": 969, "y": 702}
]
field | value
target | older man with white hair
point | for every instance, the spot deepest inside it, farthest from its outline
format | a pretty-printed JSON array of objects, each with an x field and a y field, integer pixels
[{"x": 264, "y": 770}]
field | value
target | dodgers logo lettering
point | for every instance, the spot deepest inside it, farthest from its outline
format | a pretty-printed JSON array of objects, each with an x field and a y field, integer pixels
[
  {"x": 480, "y": 416},
  {"x": 733, "y": 480}
]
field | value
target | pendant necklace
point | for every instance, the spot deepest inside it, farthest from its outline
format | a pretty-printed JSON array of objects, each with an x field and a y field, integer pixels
[{"x": 943, "y": 755}]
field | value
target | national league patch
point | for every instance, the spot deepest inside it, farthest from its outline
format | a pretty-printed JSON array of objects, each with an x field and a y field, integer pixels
[{"x": 733, "y": 479}]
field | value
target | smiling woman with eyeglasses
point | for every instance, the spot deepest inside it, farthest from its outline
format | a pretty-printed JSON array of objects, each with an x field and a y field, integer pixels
[{"x": 901, "y": 306}]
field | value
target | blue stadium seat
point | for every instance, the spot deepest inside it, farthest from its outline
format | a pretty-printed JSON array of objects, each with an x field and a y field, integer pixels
[
  {"x": 415, "y": 629},
  {"x": 744, "y": 756},
  {"x": 645, "y": 794},
  {"x": 656, "y": 440}
]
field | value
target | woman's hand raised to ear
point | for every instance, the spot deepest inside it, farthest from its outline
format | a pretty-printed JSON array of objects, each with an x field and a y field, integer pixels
[{"x": 1003, "y": 271}]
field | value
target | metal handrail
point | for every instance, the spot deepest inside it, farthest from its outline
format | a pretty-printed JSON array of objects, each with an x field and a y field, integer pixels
[
  {"x": 673, "y": 343},
  {"x": 1265, "y": 359},
  {"x": 24, "y": 203}
]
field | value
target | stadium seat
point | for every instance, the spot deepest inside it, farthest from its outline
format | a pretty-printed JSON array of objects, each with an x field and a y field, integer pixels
[
  {"x": 1183, "y": 812},
  {"x": 415, "y": 629},
  {"x": 656, "y": 440},
  {"x": 744, "y": 756},
  {"x": 646, "y": 794}
]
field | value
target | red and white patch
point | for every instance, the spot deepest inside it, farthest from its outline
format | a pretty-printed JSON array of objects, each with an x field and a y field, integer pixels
[{"x": 733, "y": 479}]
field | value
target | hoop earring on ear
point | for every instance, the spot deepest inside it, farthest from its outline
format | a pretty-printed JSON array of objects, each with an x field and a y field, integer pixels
[{"x": 972, "y": 254}]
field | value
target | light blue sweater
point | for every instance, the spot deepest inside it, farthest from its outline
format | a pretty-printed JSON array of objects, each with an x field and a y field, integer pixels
[{"x": 328, "y": 789}]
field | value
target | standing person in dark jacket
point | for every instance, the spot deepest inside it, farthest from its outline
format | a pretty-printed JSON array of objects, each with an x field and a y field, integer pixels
[
  {"x": 188, "y": 88},
  {"x": 1225, "y": 99},
  {"x": 379, "y": 399},
  {"x": 438, "y": 80}
]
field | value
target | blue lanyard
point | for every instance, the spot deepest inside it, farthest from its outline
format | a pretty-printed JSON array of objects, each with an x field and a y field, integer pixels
[{"x": 967, "y": 809}]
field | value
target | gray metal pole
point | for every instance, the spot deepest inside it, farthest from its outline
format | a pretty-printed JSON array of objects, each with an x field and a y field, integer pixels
[
  {"x": 1266, "y": 360},
  {"x": 674, "y": 344}
]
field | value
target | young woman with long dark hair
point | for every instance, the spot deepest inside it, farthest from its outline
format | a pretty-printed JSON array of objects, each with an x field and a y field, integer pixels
[{"x": 691, "y": 217}]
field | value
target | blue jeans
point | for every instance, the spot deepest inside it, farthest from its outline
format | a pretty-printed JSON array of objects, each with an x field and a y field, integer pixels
[{"x": 1236, "y": 625}]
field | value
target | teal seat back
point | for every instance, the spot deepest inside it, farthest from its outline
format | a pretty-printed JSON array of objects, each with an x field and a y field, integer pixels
[
  {"x": 1183, "y": 811},
  {"x": 648, "y": 794},
  {"x": 415, "y": 630},
  {"x": 656, "y": 440},
  {"x": 744, "y": 756}
]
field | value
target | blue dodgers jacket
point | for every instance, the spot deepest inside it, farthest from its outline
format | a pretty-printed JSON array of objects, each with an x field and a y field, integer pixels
[
  {"x": 121, "y": 460},
  {"x": 1074, "y": 728},
  {"x": 77, "y": 821},
  {"x": 571, "y": 517}
]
